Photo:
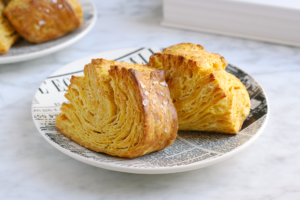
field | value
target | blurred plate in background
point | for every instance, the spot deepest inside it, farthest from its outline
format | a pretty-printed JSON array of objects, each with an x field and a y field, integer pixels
[{"x": 23, "y": 50}]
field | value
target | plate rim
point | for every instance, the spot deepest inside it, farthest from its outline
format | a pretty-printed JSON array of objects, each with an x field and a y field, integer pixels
[
  {"x": 50, "y": 50},
  {"x": 161, "y": 170}
]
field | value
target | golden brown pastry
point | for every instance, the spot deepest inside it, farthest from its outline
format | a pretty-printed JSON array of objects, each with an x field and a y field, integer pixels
[
  {"x": 44, "y": 20},
  {"x": 8, "y": 35},
  {"x": 206, "y": 97},
  {"x": 121, "y": 109}
]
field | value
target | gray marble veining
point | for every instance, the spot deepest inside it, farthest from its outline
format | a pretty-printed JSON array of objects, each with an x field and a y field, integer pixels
[{"x": 269, "y": 169}]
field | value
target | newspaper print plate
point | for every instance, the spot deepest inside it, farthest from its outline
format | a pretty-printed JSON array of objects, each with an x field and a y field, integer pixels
[
  {"x": 23, "y": 50},
  {"x": 191, "y": 149}
]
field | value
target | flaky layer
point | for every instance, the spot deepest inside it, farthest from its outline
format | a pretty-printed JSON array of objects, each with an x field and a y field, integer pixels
[
  {"x": 120, "y": 109},
  {"x": 206, "y": 97},
  {"x": 220, "y": 105}
]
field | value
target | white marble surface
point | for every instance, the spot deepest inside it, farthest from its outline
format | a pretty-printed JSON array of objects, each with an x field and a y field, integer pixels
[{"x": 269, "y": 169}]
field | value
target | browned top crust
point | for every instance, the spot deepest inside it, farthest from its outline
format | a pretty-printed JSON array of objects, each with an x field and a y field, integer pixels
[
  {"x": 121, "y": 109},
  {"x": 44, "y": 20},
  {"x": 196, "y": 53}
]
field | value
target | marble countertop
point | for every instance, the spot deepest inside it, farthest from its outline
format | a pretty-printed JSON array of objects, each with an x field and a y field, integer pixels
[{"x": 30, "y": 168}]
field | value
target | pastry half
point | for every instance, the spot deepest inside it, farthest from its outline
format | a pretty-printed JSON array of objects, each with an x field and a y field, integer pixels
[
  {"x": 8, "y": 35},
  {"x": 206, "y": 97},
  {"x": 121, "y": 109},
  {"x": 44, "y": 20}
]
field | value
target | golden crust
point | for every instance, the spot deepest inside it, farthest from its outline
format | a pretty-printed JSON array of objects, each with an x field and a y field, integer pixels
[
  {"x": 121, "y": 109},
  {"x": 43, "y": 20},
  {"x": 196, "y": 53},
  {"x": 8, "y": 35},
  {"x": 206, "y": 97}
]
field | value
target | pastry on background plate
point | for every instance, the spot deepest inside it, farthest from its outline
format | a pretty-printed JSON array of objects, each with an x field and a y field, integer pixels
[
  {"x": 121, "y": 109},
  {"x": 40, "y": 21},
  {"x": 8, "y": 35},
  {"x": 206, "y": 97}
]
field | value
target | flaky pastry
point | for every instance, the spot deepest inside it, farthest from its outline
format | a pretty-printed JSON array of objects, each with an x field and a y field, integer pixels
[
  {"x": 206, "y": 97},
  {"x": 44, "y": 20},
  {"x": 121, "y": 109},
  {"x": 8, "y": 35}
]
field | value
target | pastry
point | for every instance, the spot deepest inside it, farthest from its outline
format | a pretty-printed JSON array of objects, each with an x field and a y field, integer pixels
[
  {"x": 121, "y": 109},
  {"x": 8, "y": 35},
  {"x": 44, "y": 20},
  {"x": 206, "y": 97}
]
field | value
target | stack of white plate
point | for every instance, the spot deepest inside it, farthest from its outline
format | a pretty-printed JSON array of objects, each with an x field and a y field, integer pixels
[{"x": 267, "y": 20}]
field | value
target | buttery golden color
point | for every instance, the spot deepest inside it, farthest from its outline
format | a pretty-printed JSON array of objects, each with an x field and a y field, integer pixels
[
  {"x": 8, "y": 35},
  {"x": 44, "y": 20},
  {"x": 121, "y": 109},
  {"x": 206, "y": 97}
]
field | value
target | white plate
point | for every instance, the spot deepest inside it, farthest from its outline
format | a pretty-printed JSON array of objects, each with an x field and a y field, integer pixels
[
  {"x": 24, "y": 50},
  {"x": 191, "y": 149}
]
